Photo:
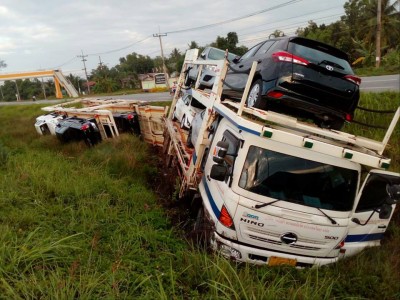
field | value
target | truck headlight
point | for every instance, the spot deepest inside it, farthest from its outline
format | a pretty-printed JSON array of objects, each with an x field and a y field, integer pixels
[{"x": 230, "y": 252}]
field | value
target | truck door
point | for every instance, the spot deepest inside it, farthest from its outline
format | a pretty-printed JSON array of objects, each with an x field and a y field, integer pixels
[
  {"x": 221, "y": 197},
  {"x": 376, "y": 202}
]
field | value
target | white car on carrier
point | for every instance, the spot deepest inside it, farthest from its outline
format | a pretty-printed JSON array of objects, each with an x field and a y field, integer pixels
[
  {"x": 46, "y": 124},
  {"x": 185, "y": 110}
]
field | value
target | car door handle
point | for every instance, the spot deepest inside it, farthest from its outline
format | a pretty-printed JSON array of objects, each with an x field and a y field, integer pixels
[
  {"x": 259, "y": 60},
  {"x": 382, "y": 226},
  {"x": 240, "y": 66}
]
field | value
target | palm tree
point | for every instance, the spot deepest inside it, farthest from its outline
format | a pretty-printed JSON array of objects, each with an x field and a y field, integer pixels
[{"x": 389, "y": 23}]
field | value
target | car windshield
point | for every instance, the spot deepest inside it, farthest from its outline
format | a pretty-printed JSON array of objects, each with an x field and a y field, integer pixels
[
  {"x": 217, "y": 54},
  {"x": 320, "y": 56},
  {"x": 297, "y": 180}
]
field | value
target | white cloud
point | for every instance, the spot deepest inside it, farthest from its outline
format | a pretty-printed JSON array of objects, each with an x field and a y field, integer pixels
[{"x": 49, "y": 33}]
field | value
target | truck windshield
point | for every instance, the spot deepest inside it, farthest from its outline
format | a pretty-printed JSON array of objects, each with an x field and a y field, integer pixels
[{"x": 297, "y": 180}]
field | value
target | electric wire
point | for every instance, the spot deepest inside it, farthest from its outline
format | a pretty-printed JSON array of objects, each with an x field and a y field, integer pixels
[{"x": 235, "y": 19}]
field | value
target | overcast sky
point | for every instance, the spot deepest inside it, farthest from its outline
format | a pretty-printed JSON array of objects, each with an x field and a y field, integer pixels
[{"x": 44, "y": 34}]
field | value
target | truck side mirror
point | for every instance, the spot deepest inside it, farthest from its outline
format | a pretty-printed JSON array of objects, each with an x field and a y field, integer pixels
[
  {"x": 393, "y": 191},
  {"x": 385, "y": 211},
  {"x": 218, "y": 172},
  {"x": 220, "y": 151},
  {"x": 236, "y": 59}
]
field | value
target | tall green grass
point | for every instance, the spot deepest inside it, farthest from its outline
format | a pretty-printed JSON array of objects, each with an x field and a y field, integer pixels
[{"x": 85, "y": 223}]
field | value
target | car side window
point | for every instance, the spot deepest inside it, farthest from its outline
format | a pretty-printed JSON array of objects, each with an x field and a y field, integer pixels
[
  {"x": 251, "y": 52},
  {"x": 186, "y": 100},
  {"x": 265, "y": 47}
]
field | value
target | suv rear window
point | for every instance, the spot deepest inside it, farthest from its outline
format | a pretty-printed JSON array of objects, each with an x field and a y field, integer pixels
[{"x": 320, "y": 55}]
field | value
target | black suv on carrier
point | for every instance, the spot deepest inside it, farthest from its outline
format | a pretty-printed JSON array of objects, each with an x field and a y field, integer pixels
[{"x": 299, "y": 77}]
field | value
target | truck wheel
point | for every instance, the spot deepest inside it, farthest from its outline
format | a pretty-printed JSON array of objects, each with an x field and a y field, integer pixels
[
  {"x": 200, "y": 231},
  {"x": 254, "y": 98}
]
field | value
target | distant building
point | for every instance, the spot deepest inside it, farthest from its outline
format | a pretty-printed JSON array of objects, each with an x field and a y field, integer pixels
[{"x": 150, "y": 81}]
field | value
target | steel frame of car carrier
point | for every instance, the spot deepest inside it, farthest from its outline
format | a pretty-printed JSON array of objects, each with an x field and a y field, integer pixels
[
  {"x": 268, "y": 124},
  {"x": 151, "y": 118}
]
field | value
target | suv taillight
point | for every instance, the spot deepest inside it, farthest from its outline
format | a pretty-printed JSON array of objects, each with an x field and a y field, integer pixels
[
  {"x": 130, "y": 117},
  {"x": 284, "y": 56},
  {"x": 85, "y": 127},
  {"x": 353, "y": 79}
]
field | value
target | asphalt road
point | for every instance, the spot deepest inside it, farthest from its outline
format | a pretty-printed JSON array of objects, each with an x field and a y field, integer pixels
[
  {"x": 151, "y": 97},
  {"x": 380, "y": 83},
  {"x": 368, "y": 84}
]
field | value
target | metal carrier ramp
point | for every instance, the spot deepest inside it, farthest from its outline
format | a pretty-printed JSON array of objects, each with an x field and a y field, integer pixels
[
  {"x": 335, "y": 135},
  {"x": 151, "y": 118}
]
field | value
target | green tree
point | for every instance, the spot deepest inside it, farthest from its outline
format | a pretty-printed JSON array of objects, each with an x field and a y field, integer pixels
[
  {"x": 2, "y": 64},
  {"x": 229, "y": 42},
  {"x": 105, "y": 81},
  {"x": 175, "y": 61},
  {"x": 136, "y": 64}
]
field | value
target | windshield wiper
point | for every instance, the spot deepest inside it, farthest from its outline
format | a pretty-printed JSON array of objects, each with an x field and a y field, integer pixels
[
  {"x": 330, "y": 219},
  {"x": 265, "y": 204}
]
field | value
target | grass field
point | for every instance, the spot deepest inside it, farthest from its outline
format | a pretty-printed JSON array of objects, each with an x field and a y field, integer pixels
[{"x": 87, "y": 223}]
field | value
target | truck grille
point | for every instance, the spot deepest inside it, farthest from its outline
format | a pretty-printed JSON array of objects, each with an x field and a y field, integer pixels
[{"x": 274, "y": 238}]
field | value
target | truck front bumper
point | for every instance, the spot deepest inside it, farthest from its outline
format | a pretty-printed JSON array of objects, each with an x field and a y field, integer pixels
[{"x": 255, "y": 255}]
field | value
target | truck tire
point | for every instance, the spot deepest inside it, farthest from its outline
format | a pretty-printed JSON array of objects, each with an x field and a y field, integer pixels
[{"x": 201, "y": 231}]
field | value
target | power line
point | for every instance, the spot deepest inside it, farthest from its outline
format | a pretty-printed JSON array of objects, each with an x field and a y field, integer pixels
[
  {"x": 119, "y": 49},
  {"x": 235, "y": 19},
  {"x": 295, "y": 17},
  {"x": 68, "y": 62}
]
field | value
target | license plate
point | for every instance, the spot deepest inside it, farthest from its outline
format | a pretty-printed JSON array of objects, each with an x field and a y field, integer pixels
[{"x": 276, "y": 261}]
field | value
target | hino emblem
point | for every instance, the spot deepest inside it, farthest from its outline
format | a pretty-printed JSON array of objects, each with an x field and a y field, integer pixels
[
  {"x": 289, "y": 238},
  {"x": 329, "y": 68}
]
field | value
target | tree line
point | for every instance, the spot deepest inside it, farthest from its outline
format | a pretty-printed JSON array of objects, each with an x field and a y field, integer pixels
[{"x": 354, "y": 33}]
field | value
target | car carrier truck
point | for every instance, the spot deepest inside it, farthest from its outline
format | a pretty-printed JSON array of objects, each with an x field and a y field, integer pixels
[{"x": 274, "y": 190}]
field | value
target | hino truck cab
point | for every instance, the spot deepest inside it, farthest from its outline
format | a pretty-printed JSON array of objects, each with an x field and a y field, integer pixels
[{"x": 275, "y": 202}]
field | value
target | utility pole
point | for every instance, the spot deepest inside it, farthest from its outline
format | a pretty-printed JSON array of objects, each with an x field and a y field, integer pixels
[
  {"x": 44, "y": 89},
  {"x": 378, "y": 34},
  {"x": 159, "y": 35},
  {"x": 84, "y": 68},
  {"x": 17, "y": 94},
  {"x": 1, "y": 90},
  {"x": 100, "y": 63}
]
